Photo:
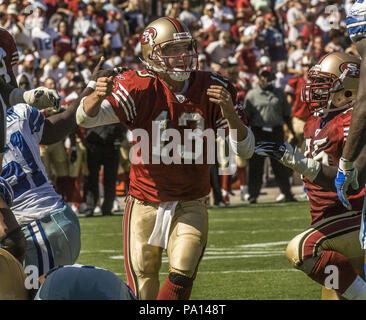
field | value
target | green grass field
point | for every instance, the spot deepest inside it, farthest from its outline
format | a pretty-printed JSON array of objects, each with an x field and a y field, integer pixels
[{"x": 244, "y": 259}]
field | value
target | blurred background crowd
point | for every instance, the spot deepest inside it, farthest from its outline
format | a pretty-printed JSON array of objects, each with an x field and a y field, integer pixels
[{"x": 60, "y": 42}]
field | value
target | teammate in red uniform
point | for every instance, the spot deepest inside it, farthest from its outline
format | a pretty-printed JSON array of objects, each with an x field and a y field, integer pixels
[
  {"x": 300, "y": 111},
  {"x": 330, "y": 245},
  {"x": 165, "y": 207}
]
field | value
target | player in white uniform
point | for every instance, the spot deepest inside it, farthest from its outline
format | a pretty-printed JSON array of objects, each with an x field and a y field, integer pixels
[
  {"x": 43, "y": 38},
  {"x": 51, "y": 228}
]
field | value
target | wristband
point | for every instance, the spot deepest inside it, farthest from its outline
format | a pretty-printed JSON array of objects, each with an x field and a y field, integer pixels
[
  {"x": 295, "y": 160},
  {"x": 345, "y": 164},
  {"x": 92, "y": 84}
]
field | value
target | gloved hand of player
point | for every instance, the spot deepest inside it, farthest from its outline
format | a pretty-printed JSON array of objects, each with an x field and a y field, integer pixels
[
  {"x": 290, "y": 157},
  {"x": 73, "y": 154},
  {"x": 356, "y": 21},
  {"x": 347, "y": 176},
  {"x": 270, "y": 149},
  {"x": 42, "y": 98}
]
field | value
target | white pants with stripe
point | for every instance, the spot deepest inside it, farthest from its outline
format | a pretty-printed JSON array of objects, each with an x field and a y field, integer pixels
[{"x": 53, "y": 240}]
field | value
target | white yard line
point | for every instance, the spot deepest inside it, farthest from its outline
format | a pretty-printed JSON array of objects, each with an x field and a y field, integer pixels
[{"x": 235, "y": 271}]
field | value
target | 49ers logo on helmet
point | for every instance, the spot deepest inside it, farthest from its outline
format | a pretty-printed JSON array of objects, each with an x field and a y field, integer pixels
[
  {"x": 148, "y": 36},
  {"x": 353, "y": 69}
]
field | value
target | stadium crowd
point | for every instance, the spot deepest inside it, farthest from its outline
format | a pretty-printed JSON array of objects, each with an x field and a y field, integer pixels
[{"x": 60, "y": 42}]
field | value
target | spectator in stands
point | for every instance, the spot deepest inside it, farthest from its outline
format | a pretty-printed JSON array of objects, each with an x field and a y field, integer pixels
[
  {"x": 63, "y": 41},
  {"x": 54, "y": 69},
  {"x": 83, "y": 24},
  {"x": 28, "y": 66},
  {"x": 311, "y": 29},
  {"x": 294, "y": 60},
  {"x": 188, "y": 16},
  {"x": 106, "y": 45},
  {"x": 239, "y": 26},
  {"x": 295, "y": 20},
  {"x": 255, "y": 29},
  {"x": 128, "y": 56},
  {"x": 275, "y": 40},
  {"x": 316, "y": 48},
  {"x": 221, "y": 49},
  {"x": 224, "y": 15},
  {"x": 133, "y": 17},
  {"x": 24, "y": 82},
  {"x": 114, "y": 27},
  {"x": 282, "y": 75},
  {"x": 247, "y": 58},
  {"x": 333, "y": 45},
  {"x": 208, "y": 19}
]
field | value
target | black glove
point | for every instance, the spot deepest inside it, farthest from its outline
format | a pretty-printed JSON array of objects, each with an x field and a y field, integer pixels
[{"x": 270, "y": 149}]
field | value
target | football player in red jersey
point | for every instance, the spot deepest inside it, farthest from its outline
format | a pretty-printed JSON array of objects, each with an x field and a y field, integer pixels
[
  {"x": 165, "y": 206},
  {"x": 330, "y": 245}
]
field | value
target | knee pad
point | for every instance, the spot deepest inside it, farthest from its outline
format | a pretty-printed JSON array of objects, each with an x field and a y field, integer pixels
[
  {"x": 305, "y": 264},
  {"x": 180, "y": 280}
]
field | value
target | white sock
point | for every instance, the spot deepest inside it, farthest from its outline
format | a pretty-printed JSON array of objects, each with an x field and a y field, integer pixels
[
  {"x": 356, "y": 291},
  {"x": 244, "y": 188},
  {"x": 224, "y": 192}
]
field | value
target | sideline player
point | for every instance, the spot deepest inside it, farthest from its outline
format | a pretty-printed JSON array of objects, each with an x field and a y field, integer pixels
[
  {"x": 165, "y": 208},
  {"x": 332, "y": 239}
]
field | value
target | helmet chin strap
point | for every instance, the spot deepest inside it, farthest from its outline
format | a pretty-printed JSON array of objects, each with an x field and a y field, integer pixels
[{"x": 324, "y": 112}]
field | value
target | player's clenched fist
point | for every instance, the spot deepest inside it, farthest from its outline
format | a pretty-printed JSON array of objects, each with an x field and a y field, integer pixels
[{"x": 103, "y": 87}]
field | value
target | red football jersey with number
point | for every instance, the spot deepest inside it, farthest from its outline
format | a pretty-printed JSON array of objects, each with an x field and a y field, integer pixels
[
  {"x": 324, "y": 142},
  {"x": 139, "y": 99},
  {"x": 8, "y": 54}
]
